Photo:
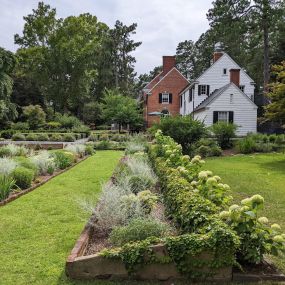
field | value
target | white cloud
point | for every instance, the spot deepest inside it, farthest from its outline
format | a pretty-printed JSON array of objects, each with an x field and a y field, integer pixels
[{"x": 162, "y": 24}]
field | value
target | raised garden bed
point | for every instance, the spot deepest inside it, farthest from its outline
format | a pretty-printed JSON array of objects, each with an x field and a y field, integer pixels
[{"x": 42, "y": 180}]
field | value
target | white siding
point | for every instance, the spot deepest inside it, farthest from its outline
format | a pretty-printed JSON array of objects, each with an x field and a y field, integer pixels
[
  {"x": 245, "y": 112},
  {"x": 216, "y": 79}
]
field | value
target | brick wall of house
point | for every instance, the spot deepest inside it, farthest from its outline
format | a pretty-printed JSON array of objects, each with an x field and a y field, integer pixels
[{"x": 173, "y": 83}]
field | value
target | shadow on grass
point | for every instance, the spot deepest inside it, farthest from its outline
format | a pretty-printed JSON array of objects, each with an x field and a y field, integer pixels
[{"x": 275, "y": 166}]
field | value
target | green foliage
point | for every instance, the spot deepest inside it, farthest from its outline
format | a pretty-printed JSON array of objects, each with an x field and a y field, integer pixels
[
  {"x": 63, "y": 159},
  {"x": 18, "y": 137},
  {"x": 183, "y": 129},
  {"x": 120, "y": 109},
  {"x": 275, "y": 110},
  {"x": 206, "y": 148},
  {"x": 92, "y": 113},
  {"x": 6, "y": 186},
  {"x": 138, "y": 230},
  {"x": 23, "y": 177},
  {"x": 20, "y": 126},
  {"x": 68, "y": 138},
  {"x": 224, "y": 132},
  {"x": 148, "y": 200},
  {"x": 246, "y": 145},
  {"x": 42, "y": 137},
  {"x": 89, "y": 150},
  {"x": 67, "y": 121},
  {"x": 257, "y": 237},
  {"x": 26, "y": 163},
  {"x": 53, "y": 125},
  {"x": 55, "y": 138},
  {"x": 35, "y": 116}
]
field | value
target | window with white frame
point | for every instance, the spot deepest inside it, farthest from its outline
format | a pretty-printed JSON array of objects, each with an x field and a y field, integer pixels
[
  {"x": 241, "y": 87},
  {"x": 165, "y": 98},
  {"x": 203, "y": 89},
  {"x": 223, "y": 117}
]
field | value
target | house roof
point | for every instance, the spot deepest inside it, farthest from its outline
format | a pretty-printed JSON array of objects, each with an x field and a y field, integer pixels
[
  {"x": 169, "y": 72},
  {"x": 197, "y": 79},
  {"x": 216, "y": 94}
]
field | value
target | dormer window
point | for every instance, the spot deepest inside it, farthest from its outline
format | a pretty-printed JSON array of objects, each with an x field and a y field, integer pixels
[
  {"x": 203, "y": 90},
  {"x": 224, "y": 71}
]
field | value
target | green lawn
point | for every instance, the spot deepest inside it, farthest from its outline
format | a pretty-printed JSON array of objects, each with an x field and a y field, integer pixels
[
  {"x": 256, "y": 174},
  {"x": 38, "y": 231}
]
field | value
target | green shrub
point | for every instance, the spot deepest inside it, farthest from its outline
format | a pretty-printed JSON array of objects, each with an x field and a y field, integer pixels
[
  {"x": 4, "y": 151},
  {"x": 67, "y": 122},
  {"x": 6, "y": 186},
  {"x": 20, "y": 126},
  {"x": 53, "y": 125},
  {"x": 103, "y": 145},
  {"x": 94, "y": 137},
  {"x": 137, "y": 230},
  {"x": 63, "y": 159},
  {"x": 89, "y": 150},
  {"x": 68, "y": 138},
  {"x": 23, "y": 177},
  {"x": 18, "y": 137},
  {"x": 224, "y": 132},
  {"x": 183, "y": 129},
  {"x": 35, "y": 116},
  {"x": 55, "y": 138},
  {"x": 104, "y": 137},
  {"x": 148, "y": 200},
  {"x": 204, "y": 151},
  {"x": 42, "y": 137},
  {"x": 139, "y": 183},
  {"x": 31, "y": 137},
  {"x": 7, "y": 134},
  {"x": 27, "y": 163},
  {"x": 246, "y": 145}
]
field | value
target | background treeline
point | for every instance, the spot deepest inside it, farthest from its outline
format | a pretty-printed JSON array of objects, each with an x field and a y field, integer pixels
[{"x": 65, "y": 65}]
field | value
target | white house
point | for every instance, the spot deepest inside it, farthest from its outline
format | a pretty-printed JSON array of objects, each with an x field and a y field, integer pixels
[{"x": 224, "y": 92}]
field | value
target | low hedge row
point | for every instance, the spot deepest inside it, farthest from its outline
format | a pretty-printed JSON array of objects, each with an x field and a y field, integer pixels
[
  {"x": 198, "y": 202},
  {"x": 7, "y": 134},
  {"x": 56, "y": 137}
]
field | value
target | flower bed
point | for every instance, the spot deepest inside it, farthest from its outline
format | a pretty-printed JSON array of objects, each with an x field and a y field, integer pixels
[
  {"x": 22, "y": 170},
  {"x": 132, "y": 251}
]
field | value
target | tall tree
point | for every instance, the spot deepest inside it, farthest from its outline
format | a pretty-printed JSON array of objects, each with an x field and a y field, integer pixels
[
  {"x": 275, "y": 111},
  {"x": 7, "y": 108},
  {"x": 186, "y": 58},
  {"x": 123, "y": 61},
  {"x": 258, "y": 16}
]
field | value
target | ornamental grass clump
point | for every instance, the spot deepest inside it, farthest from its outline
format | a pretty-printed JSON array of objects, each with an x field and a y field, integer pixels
[
  {"x": 11, "y": 150},
  {"x": 7, "y": 184},
  {"x": 44, "y": 162},
  {"x": 7, "y": 166},
  {"x": 256, "y": 235},
  {"x": 78, "y": 149},
  {"x": 23, "y": 177}
]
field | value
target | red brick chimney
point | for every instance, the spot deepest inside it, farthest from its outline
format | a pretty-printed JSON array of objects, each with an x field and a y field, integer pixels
[
  {"x": 217, "y": 55},
  {"x": 168, "y": 64},
  {"x": 235, "y": 76}
]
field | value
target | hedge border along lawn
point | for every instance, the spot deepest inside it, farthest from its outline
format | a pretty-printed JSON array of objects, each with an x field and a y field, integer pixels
[
  {"x": 262, "y": 174},
  {"x": 38, "y": 231}
]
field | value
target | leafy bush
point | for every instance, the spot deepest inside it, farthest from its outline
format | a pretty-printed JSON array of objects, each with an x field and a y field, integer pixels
[
  {"x": 18, "y": 137},
  {"x": 6, "y": 186},
  {"x": 23, "y": 177},
  {"x": 138, "y": 229},
  {"x": 89, "y": 150},
  {"x": 246, "y": 145},
  {"x": 224, "y": 132},
  {"x": 31, "y": 137},
  {"x": 55, "y": 138},
  {"x": 20, "y": 126},
  {"x": 7, "y": 165},
  {"x": 26, "y": 162},
  {"x": 103, "y": 145},
  {"x": 42, "y": 137},
  {"x": 148, "y": 200},
  {"x": 206, "y": 148},
  {"x": 7, "y": 134},
  {"x": 4, "y": 152},
  {"x": 53, "y": 125},
  {"x": 257, "y": 237},
  {"x": 63, "y": 159},
  {"x": 183, "y": 129},
  {"x": 35, "y": 116},
  {"x": 68, "y": 138},
  {"x": 67, "y": 122}
]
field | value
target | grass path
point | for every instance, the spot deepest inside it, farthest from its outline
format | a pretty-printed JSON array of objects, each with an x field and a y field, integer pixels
[
  {"x": 256, "y": 174},
  {"x": 38, "y": 230}
]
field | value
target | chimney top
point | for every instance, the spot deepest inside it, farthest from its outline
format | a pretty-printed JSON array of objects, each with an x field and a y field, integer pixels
[
  {"x": 218, "y": 47},
  {"x": 168, "y": 63},
  {"x": 235, "y": 76}
]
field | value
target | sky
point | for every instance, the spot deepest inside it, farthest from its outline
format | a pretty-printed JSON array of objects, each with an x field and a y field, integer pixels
[{"x": 162, "y": 24}]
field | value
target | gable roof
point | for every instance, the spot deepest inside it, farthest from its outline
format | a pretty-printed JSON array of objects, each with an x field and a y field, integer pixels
[
  {"x": 149, "y": 84},
  {"x": 216, "y": 94},
  {"x": 210, "y": 67},
  {"x": 169, "y": 72}
]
